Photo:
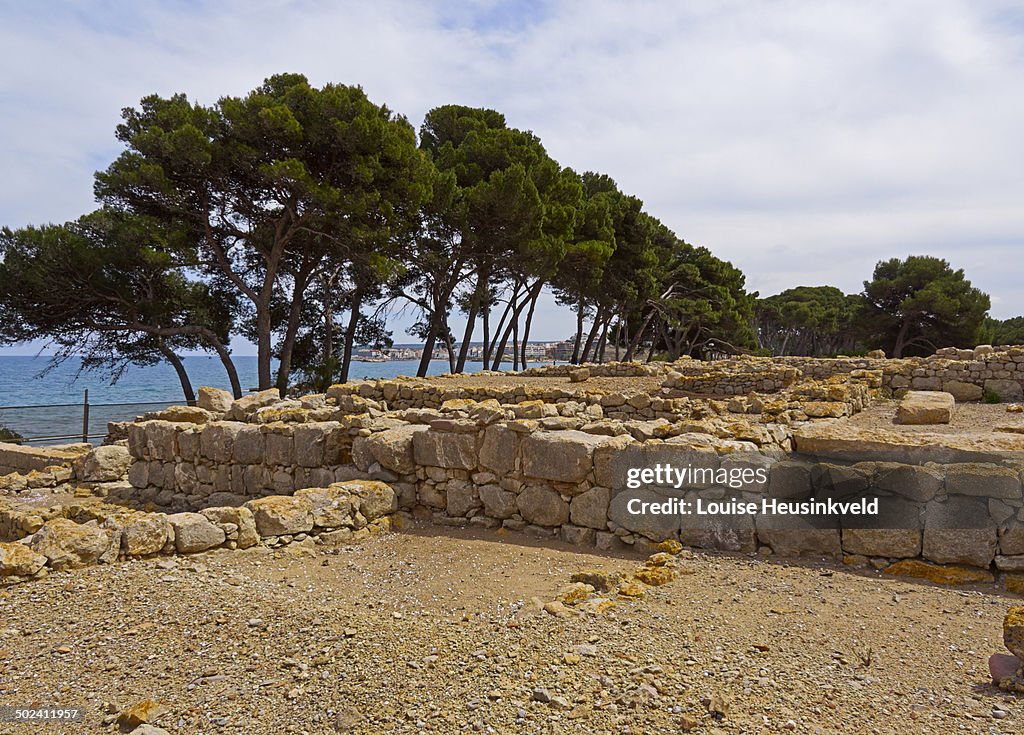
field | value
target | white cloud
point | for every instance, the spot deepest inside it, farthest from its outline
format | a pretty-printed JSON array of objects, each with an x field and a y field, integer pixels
[{"x": 804, "y": 141}]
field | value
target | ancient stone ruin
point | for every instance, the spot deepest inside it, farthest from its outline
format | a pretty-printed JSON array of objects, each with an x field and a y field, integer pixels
[{"x": 542, "y": 453}]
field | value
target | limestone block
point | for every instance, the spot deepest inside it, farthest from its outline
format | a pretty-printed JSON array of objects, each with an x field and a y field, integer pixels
[
  {"x": 249, "y": 446},
  {"x": 18, "y": 560},
  {"x": 280, "y": 448},
  {"x": 217, "y": 440},
  {"x": 69, "y": 545},
  {"x": 332, "y": 507},
  {"x": 590, "y": 508},
  {"x": 376, "y": 499},
  {"x": 103, "y": 464},
  {"x": 498, "y": 503},
  {"x": 963, "y": 391},
  {"x": 393, "y": 449},
  {"x": 563, "y": 456},
  {"x": 214, "y": 400},
  {"x": 245, "y": 407},
  {"x": 1008, "y": 391},
  {"x": 498, "y": 450},
  {"x": 242, "y": 518},
  {"x": 194, "y": 533},
  {"x": 887, "y": 542},
  {"x": 913, "y": 482},
  {"x": 442, "y": 449},
  {"x": 959, "y": 531},
  {"x": 278, "y": 515},
  {"x": 799, "y": 536},
  {"x": 161, "y": 440},
  {"x": 926, "y": 407},
  {"x": 542, "y": 506},
  {"x": 789, "y": 479},
  {"x": 143, "y": 534},
  {"x": 463, "y": 498},
  {"x": 656, "y": 527},
  {"x": 138, "y": 474},
  {"x": 982, "y": 480}
]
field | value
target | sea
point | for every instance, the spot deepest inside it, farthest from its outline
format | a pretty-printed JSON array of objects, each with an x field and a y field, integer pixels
[{"x": 47, "y": 407}]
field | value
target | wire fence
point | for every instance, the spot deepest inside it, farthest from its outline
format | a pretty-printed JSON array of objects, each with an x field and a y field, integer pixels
[{"x": 71, "y": 422}]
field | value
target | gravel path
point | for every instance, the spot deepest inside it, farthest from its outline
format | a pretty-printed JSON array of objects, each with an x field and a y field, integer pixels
[{"x": 433, "y": 630}]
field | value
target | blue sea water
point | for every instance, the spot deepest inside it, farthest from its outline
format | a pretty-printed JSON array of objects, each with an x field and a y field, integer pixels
[{"x": 21, "y": 384}]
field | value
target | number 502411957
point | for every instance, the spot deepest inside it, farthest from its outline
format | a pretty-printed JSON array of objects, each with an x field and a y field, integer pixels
[{"x": 40, "y": 714}]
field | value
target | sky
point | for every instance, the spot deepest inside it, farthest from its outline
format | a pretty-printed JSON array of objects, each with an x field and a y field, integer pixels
[{"x": 802, "y": 141}]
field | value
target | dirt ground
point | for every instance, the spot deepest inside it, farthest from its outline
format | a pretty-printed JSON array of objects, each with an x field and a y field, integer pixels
[{"x": 434, "y": 630}]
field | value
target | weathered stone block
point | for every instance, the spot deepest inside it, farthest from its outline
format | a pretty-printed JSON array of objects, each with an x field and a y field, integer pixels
[
  {"x": 982, "y": 480},
  {"x": 462, "y": 498},
  {"x": 926, "y": 407},
  {"x": 393, "y": 448},
  {"x": 68, "y": 545},
  {"x": 963, "y": 391},
  {"x": 194, "y": 533},
  {"x": 217, "y": 440},
  {"x": 655, "y": 526},
  {"x": 498, "y": 449},
  {"x": 563, "y": 456},
  {"x": 278, "y": 515},
  {"x": 240, "y": 517},
  {"x": 590, "y": 508},
  {"x": 280, "y": 448},
  {"x": 887, "y": 542},
  {"x": 376, "y": 499},
  {"x": 959, "y": 531},
  {"x": 498, "y": 503},
  {"x": 18, "y": 560},
  {"x": 332, "y": 507},
  {"x": 913, "y": 482},
  {"x": 214, "y": 399},
  {"x": 249, "y": 446},
  {"x": 1008, "y": 391},
  {"x": 442, "y": 449},
  {"x": 542, "y": 506},
  {"x": 143, "y": 534},
  {"x": 245, "y": 407},
  {"x": 789, "y": 479}
]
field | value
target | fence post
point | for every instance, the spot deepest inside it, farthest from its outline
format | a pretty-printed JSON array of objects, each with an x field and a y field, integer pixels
[{"x": 85, "y": 417}]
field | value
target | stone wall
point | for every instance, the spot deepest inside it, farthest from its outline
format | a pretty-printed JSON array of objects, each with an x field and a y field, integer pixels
[
  {"x": 563, "y": 483},
  {"x": 23, "y": 459}
]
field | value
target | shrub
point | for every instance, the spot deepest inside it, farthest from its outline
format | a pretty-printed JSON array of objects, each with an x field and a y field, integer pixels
[
  {"x": 10, "y": 435},
  {"x": 990, "y": 396}
]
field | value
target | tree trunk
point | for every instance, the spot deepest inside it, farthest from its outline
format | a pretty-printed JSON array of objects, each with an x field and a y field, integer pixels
[
  {"x": 603, "y": 341},
  {"x": 638, "y": 337},
  {"x": 579, "y": 335},
  {"x": 179, "y": 368},
  {"x": 467, "y": 336},
  {"x": 355, "y": 305},
  {"x": 264, "y": 352},
  {"x": 229, "y": 366},
  {"x": 291, "y": 331},
  {"x": 901, "y": 339},
  {"x": 517, "y": 310},
  {"x": 529, "y": 323},
  {"x": 598, "y": 318}
]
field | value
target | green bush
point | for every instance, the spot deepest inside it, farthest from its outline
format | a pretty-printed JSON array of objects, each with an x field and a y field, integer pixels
[
  {"x": 10, "y": 435},
  {"x": 990, "y": 396}
]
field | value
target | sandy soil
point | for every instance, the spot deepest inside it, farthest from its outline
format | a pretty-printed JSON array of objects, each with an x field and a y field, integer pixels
[{"x": 433, "y": 630}]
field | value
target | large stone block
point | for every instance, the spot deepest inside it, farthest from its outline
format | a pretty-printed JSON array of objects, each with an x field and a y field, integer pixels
[
  {"x": 542, "y": 506},
  {"x": 68, "y": 545},
  {"x": 245, "y": 407},
  {"x": 887, "y": 542},
  {"x": 463, "y": 498},
  {"x": 445, "y": 449},
  {"x": 278, "y": 515},
  {"x": 605, "y": 464},
  {"x": 194, "y": 533},
  {"x": 311, "y": 443},
  {"x": 1007, "y": 391},
  {"x": 161, "y": 440},
  {"x": 498, "y": 449},
  {"x": 249, "y": 446},
  {"x": 498, "y": 503},
  {"x": 799, "y": 536},
  {"x": 590, "y": 508},
  {"x": 789, "y": 479},
  {"x": 240, "y": 517},
  {"x": 18, "y": 560},
  {"x": 913, "y": 482},
  {"x": 332, "y": 507},
  {"x": 562, "y": 456},
  {"x": 214, "y": 399},
  {"x": 959, "y": 531},
  {"x": 982, "y": 480},
  {"x": 926, "y": 407},
  {"x": 393, "y": 449},
  {"x": 280, "y": 448},
  {"x": 963, "y": 391},
  {"x": 143, "y": 534},
  {"x": 637, "y": 518},
  {"x": 217, "y": 440},
  {"x": 103, "y": 464},
  {"x": 376, "y": 499}
]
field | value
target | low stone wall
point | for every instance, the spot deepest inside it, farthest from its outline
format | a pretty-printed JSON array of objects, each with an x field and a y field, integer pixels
[
  {"x": 22, "y": 459},
  {"x": 76, "y": 535}
]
